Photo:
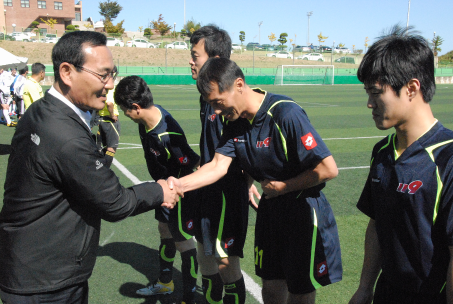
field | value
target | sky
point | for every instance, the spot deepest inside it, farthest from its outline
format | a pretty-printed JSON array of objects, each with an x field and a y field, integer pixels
[{"x": 347, "y": 22}]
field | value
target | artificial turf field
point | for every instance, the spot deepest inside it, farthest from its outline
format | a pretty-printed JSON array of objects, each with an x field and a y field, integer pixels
[{"x": 128, "y": 258}]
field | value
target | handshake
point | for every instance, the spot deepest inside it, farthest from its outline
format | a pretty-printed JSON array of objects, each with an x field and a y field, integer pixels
[{"x": 173, "y": 190}]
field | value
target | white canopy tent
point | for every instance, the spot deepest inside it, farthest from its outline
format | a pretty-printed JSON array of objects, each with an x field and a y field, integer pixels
[{"x": 8, "y": 60}]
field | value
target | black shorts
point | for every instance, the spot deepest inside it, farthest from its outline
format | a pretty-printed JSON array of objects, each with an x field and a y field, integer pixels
[
  {"x": 296, "y": 240},
  {"x": 388, "y": 293},
  {"x": 109, "y": 131},
  {"x": 180, "y": 219},
  {"x": 222, "y": 216}
]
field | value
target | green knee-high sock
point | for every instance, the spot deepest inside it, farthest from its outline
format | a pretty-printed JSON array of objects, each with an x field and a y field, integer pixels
[
  {"x": 235, "y": 292},
  {"x": 213, "y": 288},
  {"x": 189, "y": 269},
  {"x": 167, "y": 252}
]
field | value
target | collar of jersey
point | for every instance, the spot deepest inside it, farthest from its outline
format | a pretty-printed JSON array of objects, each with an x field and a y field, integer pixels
[
  {"x": 421, "y": 138},
  {"x": 160, "y": 118},
  {"x": 258, "y": 90}
]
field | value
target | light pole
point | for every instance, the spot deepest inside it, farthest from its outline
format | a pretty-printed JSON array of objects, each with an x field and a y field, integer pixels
[
  {"x": 174, "y": 29},
  {"x": 331, "y": 53},
  {"x": 308, "y": 33},
  {"x": 408, "y": 12},
  {"x": 259, "y": 31},
  {"x": 14, "y": 27},
  {"x": 4, "y": 37},
  {"x": 184, "y": 13}
]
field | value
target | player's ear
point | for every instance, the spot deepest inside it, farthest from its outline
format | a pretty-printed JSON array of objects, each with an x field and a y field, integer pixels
[
  {"x": 239, "y": 84},
  {"x": 65, "y": 73},
  {"x": 413, "y": 87}
]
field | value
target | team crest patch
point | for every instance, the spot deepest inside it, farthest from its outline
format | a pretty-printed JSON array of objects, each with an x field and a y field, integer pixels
[
  {"x": 157, "y": 153},
  {"x": 309, "y": 141},
  {"x": 212, "y": 117},
  {"x": 321, "y": 269},
  {"x": 184, "y": 160},
  {"x": 189, "y": 225},
  {"x": 264, "y": 144},
  {"x": 229, "y": 242}
]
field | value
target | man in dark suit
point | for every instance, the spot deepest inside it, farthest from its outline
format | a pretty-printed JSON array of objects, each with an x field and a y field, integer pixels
[{"x": 58, "y": 187}]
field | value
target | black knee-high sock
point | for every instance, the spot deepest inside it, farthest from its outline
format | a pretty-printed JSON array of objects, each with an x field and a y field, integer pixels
[
  {"x": 235, "y": 292},
  {"x": 167, "y": 252},
  {"x": 212, "y": 288},
  {"x": 109, "y": 155},
  {"x": 189, "y": 269}
]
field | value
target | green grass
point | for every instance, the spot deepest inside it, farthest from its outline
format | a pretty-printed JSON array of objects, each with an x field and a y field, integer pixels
[{"x": 127, "y": 258}]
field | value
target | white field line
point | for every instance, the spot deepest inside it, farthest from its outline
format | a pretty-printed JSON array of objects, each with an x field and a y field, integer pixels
[{"x": 253, "y": 288}]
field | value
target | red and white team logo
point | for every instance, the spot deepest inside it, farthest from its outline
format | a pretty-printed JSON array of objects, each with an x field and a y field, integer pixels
[
  {"x": 157, "y": 153},
  {"x": 411, "y": 188},
  {"x": 264, "y": 144},
  {"x": 184, "y": 160},
  {"x": 309, "y": 141},
  {"x": 229, "y": 242},
  {"x": 322, "y": 269},
  {"x": 189, "y": 225},
  {"x": 212, "y": 117}
]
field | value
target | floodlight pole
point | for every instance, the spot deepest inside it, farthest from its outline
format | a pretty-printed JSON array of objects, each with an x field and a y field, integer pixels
[
  {"x": 308, "y": 33},
  {"x": 184, "y": 13},
  {"x": 259, "y": 31},
  {"x": 408, "y": 12},
  {"x": 331, "y": 53}
]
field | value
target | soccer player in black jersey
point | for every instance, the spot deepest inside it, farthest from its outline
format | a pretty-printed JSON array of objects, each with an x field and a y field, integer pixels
[
  {"x": 409, "y": 191},
  {"x": 223, "y": 212},
  {"x": 167, "y": 153},
  {"x": 297, "y": 246}
]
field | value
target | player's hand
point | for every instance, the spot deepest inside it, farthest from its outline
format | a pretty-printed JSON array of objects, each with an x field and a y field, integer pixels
[
  {"x": 171, "y": 196},
  {"x": 5, "y": 107},
  {"x": 273, "y": 188},
  {"x": 114, "y": 118},
  {"x": 253, "y": 192},
  {"x": 362, "y": 296},
  {"x": 174, "y": 183}
]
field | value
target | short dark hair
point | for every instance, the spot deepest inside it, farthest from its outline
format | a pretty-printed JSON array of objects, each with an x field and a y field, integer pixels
[
  {"x": 395, "y": 59},
  {"x": 133, "y": 89},
  {"x": 23, "y": 70},
  {"x": 37, "y": 68},
  {"x": 70, "y": 49},
  {"x": 222, "y": 71},
  {"x": 217, "y": 42}
]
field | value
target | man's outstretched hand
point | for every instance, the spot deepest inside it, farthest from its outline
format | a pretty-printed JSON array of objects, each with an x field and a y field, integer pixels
[{"x": 171, "y": 194}]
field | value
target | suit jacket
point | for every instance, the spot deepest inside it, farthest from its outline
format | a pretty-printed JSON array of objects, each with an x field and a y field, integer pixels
[{"x": 57, "y": 190}]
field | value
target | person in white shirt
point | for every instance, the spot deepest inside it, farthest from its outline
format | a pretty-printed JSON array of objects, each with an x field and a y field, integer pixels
[{"x": 19, "y": 91}]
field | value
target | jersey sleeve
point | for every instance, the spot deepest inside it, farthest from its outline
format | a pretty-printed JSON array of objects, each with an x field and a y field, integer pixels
[
  {"x": 226, "y": 142},
  {"x": 446, "y": 206},
  {"x": 181, "y": 152},
  {"x": 304, "y": 144},
  {"x": 365, "y": 203}
]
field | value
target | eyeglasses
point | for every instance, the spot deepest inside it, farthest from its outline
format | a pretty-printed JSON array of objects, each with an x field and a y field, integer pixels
[{"x": 104, "y": 78}]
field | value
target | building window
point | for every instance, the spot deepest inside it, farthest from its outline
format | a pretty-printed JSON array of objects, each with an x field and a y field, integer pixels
[
  {"x": 78, "y": 17},
  {"x": 42, "y": 4},
  {"x": 7, "y": 2},
  {"x": 58, "y": 5},
  {"x": 24, "y": 3}
]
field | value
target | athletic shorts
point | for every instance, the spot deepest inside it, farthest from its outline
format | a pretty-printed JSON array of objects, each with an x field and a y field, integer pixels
[
  {"x": 388, "y": 293},
  {"x": 296, "y": 240},
  {"x": 222, "y": 216},
  {"x": 109, "y": 131},
  {"x": 180, "y": 219}
]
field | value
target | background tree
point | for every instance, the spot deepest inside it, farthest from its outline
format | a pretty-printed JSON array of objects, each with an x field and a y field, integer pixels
[
  {"x": 191, "y": 24},
  {"x": 366, "y": 43},
  {"x": 437, "y": 42},
  {"x": 341, "y": 45},
  {"x": 148, "y": 32},
  {"x": 35, "y": 24},
  {"x": 321, "y": 38},
  {"x": 140, "y": 29},
  {"x": 183, "y": 33},
  {"x": 50, "y": 22},
  {"x": 353, "y": 48},
  {"x": 282, "y": 40},
  {"x": 88, "y": 25},
  {"x": 242, "y": 36},
  {"x": 161, "y": 26},
  {"x": 109, "y": 9},
  {"x": 114, "y": 29},
  {"x": 272, "y": 38}
]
